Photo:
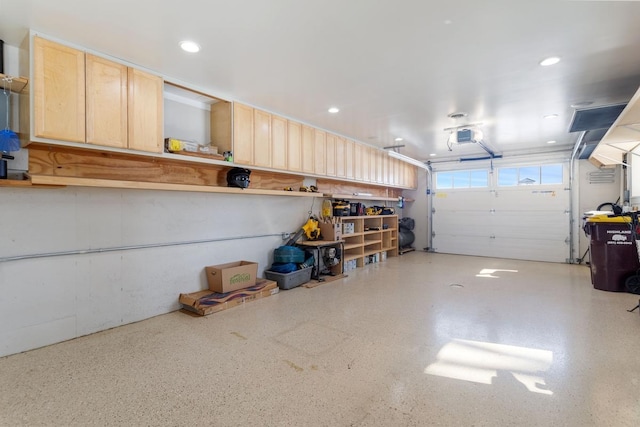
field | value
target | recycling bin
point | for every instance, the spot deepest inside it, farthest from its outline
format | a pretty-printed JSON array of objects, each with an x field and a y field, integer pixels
[{"x": 614, "y": 256}]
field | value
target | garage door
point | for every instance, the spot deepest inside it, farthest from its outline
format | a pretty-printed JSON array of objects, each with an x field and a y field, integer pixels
[{"x": 514, "y": 211}]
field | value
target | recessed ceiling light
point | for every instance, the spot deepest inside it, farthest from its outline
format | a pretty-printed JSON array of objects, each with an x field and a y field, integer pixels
[
  {"x": 549, "y": 61},
  {"x": 334, "y": 110},
  {"x": 432, "y": 154},
  {"x": 551, "y": 142},
  {"x": 398, "y": 139},
  {"x": 189, "y": 46},
  {"x": 551, "y": 116}
]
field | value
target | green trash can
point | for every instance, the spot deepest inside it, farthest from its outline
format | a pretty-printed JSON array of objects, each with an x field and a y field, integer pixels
[{"x": 614, "y": 256}]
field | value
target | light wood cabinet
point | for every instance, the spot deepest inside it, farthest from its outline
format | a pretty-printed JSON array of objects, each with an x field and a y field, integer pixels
[
  {"x": 59, "y": 91},
  {"x": 106, "y": 102},
  {"x": 81, "y": 97},
  {"x": 330, "y": 154},
  {"x": 320, "y": 152},
  {"x": 261, "y": 138},
  {"x": 349, "y": 159},
  {"x": 366, "y": 163},
  {"x": 308, "y": 150},
  {"x": 145, "y": 111},
  {"x": 279, "y": 152},
  {"x": 341, "y": 162},
  {"x": 357, "y": 162},
  {"x": 294, "y": 146},
  {"x": 374, "y": 237},
  {"x": 242, "y": 134}
]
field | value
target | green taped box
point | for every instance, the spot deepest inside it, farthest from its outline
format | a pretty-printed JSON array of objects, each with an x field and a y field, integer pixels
[{"x": 231, "y": 276}]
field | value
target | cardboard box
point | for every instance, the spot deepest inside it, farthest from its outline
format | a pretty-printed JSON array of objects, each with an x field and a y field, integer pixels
[
  {"x": 232, "y": 276},
  {"x": 207, "y": 302},
  {"x": 330, "y": 232},
  {"x": 348, "y": 228}
]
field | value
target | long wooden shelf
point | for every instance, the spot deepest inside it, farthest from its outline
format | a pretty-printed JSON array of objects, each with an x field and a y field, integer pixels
[
  {"x": 17, "y": 83},
  {"x": 352, "y": 246},
  {"x": 358, "y": 197},
  {"x": 371, "y": 242},
  {"x": 136, "y": 185}
]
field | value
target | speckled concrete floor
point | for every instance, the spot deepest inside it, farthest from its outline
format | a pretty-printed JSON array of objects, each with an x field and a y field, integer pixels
[{"x": 424, "y": 339}]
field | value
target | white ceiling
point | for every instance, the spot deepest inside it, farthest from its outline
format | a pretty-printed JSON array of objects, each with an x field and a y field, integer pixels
[{"x": 394, "y": 68}]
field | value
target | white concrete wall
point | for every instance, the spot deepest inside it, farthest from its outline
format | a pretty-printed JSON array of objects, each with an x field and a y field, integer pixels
[{"x": 49, "y": 299}]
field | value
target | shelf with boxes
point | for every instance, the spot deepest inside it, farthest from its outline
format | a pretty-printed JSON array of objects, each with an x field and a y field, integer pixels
[{"x": 369, "y": 239}]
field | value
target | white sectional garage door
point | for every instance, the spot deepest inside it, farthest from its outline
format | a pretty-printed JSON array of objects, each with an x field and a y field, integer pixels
[{"x": 522, "y": 221}]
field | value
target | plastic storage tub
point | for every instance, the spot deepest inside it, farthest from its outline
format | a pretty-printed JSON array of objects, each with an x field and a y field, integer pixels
[
  {"x": 290, "y": 280},
  {"x": 613, "y": 252}
]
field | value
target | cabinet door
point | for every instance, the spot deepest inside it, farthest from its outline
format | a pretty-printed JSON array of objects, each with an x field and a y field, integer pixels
[
  {"x": 145, "y": 111},
  {"x": 278, "y": 142},
  {"x": 341, "y": 144},
  {"x": 294, "y": 146},
  {"x": 59, "y": 91},
  {"x": 386, "y": 165},
  {"x": 319, "y": 153},
  {"x": 106, "y": 94},
  {"x": 261, "y": 138},
  {"x": 357, "y": 161},
  {"x": 380, "y": 156},
  {"x": 348, "y": 156},
  {"x": 366, "y": 163},
  {"x": 242, "y": 134},
  {"x": 331, "y": 155},
  {"x": 308, "y": 139},
  {"x": 411, "y": 176}
]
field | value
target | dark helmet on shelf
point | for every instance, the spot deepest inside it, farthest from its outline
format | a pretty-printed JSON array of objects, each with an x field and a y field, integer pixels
[{"x": 238, "y": 177}]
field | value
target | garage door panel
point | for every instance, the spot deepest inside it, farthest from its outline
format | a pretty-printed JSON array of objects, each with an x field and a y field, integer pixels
[
  {"x": 531, "y": 225},
  {"x": 533, "y": 201},
  {"x": 534, "y": 250},
  {"x": 521, "y": 222},
  {"x": 462, "y": 201},
  {"x": 459, "y": 244}
]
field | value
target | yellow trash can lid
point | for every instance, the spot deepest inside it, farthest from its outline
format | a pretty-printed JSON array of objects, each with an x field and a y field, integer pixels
[{"x": 612, "y": 219}]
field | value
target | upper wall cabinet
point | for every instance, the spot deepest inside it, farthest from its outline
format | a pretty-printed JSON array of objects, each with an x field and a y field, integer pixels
[
  {"x": 58, "y": 91},
  {"x": 106, "y": 102},
  {"x": 242, "y": 134},
  {"x": 80, "y": 97},
  {"x": 308, "y": 149},
  {"x": 279, "y": 151},
  {"x": 330, "y": 151},
  {"x": 294, "y": 146}
]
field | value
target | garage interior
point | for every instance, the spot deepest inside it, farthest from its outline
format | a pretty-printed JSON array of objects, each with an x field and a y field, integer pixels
[{"x": 488, "y": 317}]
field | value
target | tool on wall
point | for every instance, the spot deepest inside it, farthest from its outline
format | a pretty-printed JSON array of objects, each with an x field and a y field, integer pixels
[{"x": 310, "y": 229}]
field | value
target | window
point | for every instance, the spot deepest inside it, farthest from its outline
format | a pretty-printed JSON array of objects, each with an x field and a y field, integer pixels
[
  {"x": 462, "y": 179},
  {"x": 530, "y": 175}
]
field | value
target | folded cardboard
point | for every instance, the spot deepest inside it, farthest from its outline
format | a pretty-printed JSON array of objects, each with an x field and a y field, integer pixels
[
  {"x": 207, "y": 302},
  {"x": 231, "y": 276}
]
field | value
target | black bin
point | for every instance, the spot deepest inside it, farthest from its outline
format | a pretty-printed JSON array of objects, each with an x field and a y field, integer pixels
[{"x": 613, "y": 252}]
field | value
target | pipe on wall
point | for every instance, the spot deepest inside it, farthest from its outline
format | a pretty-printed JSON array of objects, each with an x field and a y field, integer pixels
[
  {"x": 574, "y": 154},
  {"x": 132, "y": 247}
]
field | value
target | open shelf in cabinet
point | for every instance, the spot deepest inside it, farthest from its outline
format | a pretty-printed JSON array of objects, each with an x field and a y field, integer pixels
[{"x": 374, "y": 237}]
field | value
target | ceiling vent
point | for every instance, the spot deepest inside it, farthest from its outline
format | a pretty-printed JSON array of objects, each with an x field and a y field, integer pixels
[
  {"x": 595, "y": 118},
  {"x": 590, "y": 141}
]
